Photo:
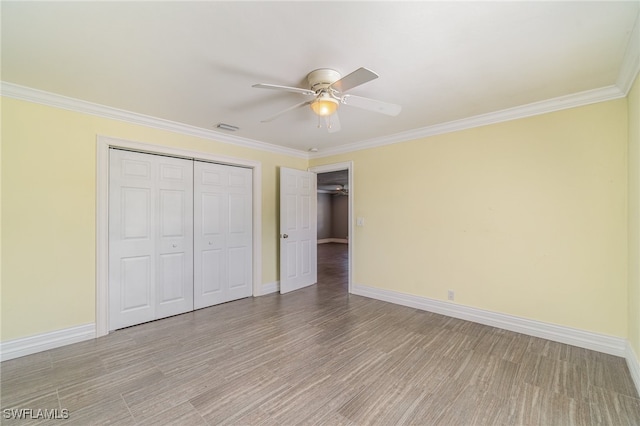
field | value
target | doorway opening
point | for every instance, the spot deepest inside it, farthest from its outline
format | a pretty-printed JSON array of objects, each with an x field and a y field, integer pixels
[{"x": 335, "y": 236}]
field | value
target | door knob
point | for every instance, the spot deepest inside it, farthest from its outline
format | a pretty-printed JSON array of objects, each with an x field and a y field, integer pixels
[{"x": 285, "y": 236}]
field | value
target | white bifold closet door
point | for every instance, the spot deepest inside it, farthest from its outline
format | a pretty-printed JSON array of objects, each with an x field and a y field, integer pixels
[
  {"x": 150, "y": 237},
  {"x": 180, "y": 236},
  {"x": 223, "y": 260}
]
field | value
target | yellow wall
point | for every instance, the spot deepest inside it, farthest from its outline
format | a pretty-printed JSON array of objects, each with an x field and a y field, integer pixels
[
  {"x": 634, "y": 217},
  {"x": 526, "y": 217},
  {"x": 48, "y": 211}
]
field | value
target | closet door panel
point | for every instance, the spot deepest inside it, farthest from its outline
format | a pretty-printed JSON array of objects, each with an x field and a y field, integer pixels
[
  {"x": 174, "y": 267},
  {"x": 136, "y": 213},
  {"x": 237, "y": 268},
  {"x": 132, "y": 196},
  {"x": 150, "y": 237},
  {"x": 240, "y": 232},
  {"x": 171, "y": 283},
  {"x": 210, "y": 217},
  {"x": 135, "y": 284},
  {"x": 211, "y": 277},
  {"x": 222, "y": 228},
  {"x": 208, "y": 285}
]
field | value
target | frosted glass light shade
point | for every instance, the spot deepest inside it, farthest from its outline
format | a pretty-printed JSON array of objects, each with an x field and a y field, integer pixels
[{"x": 324, "y": 106}]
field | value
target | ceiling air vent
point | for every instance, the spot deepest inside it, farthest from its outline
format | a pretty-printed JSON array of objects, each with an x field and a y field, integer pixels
[{"x": 228, "y": 127}]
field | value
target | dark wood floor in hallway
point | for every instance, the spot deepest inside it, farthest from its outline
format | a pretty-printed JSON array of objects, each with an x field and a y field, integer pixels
[{"x": 321, "y": 356}]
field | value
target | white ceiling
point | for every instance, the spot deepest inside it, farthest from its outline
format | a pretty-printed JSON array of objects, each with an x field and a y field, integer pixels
[{"x": 194, "y": 62}]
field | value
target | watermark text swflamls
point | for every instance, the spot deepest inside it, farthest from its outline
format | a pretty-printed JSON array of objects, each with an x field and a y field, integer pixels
[{"x": 37, "y": 413}]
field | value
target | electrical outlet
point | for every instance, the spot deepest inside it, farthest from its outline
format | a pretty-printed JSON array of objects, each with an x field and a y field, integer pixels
[{"x": 451, "y": 295}]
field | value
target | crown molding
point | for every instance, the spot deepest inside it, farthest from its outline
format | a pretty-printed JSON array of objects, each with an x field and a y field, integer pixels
[
  {"x": 23, "y": 93},
  {"x": 535, "y": 108},
  {"x": 626, "y": 77},
  {"x": 563, "y": 102}
]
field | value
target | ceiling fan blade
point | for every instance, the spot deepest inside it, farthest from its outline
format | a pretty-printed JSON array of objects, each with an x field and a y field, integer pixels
[
  {"x": 273, "y": 117},
  {"x": 356, "y": 78},
  {"x": 372, "y": 105},
  {"x": 332, "y": 122},
  {"x": 284, "y": 88}
]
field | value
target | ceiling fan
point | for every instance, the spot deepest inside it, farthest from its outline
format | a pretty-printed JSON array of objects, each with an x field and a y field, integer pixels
[
  {"x": 327, "y": 89},
  {"x": 341, "y": 190},
  {"x": 335, "y": 189}
]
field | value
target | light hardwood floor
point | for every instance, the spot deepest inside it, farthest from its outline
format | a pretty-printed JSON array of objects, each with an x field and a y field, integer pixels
[{"x": 321, "y": 356}]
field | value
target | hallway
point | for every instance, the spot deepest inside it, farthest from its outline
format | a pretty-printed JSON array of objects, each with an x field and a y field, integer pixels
[{"x": 333, "y": 266}]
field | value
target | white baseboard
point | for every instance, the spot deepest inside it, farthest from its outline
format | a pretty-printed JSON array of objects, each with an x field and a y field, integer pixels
[
  {"x": 268, "y": 288},
  {"x": 602, "y": 343},
  {"x": 634, "y": 365},
  {"x": 33, "y": 344},
  {"x": 42, "y": 342},
  {"x": 333, "y": 240},
  {"x": 571, "y": 336}
]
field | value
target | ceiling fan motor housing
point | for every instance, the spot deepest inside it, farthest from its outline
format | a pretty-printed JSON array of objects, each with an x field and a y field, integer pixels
[{"x": 322, "y": 78}]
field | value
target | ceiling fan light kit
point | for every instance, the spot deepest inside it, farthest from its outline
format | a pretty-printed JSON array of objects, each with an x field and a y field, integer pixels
[
  {"x": 328, "y": 89},
  {"x": 325, "y": 105}
]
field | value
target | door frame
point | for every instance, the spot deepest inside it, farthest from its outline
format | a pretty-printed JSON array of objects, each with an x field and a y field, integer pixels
[
  {"x": 103, "y": 144},
  {"x": 347, "y": 165}
]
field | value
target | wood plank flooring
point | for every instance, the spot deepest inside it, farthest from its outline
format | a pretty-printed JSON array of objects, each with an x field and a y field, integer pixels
[{"x": 320, "y": 356}]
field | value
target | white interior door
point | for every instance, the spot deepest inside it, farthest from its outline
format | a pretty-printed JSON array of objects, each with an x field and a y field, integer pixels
[
  {"x": 222, "y": 234},
  {"x": 150, "y": 237},
  {"x": 298, "y": 229}
]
